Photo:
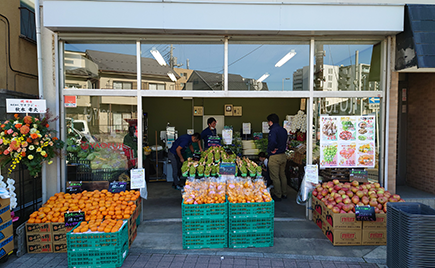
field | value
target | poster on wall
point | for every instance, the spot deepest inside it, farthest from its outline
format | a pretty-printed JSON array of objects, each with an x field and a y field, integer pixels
[{"x": 347, "y": 141}]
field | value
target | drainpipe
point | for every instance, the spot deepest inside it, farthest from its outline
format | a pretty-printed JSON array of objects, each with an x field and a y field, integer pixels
[{"x": 40, "y": 86}]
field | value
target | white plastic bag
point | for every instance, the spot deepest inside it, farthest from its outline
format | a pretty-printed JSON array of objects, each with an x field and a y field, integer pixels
[{"x": 304, "y": 192}]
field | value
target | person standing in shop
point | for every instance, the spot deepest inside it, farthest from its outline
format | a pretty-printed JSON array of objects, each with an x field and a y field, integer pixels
[
  {"x": 209, "y": 131},
  {"x": 277, "y": 158},
  {"x": 175, "y": 154}
]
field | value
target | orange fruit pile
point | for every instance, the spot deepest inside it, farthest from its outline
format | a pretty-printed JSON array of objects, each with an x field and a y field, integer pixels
[
  {"x": 99, "y": 225},
  {"x": 97, "y": 205},
  {"x": 207, "y": 191},
  {"x": 247, "y": 191}
]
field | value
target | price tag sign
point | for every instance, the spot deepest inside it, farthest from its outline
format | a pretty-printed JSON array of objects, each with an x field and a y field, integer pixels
[
  {"x": 74, "y": 187},
  {"x": 117, "y": 186},
  {"x": 359, "y": 175},
  {"x": 227, "y": 169},
  {"x": 73, "y": 218},
  {"x": 312, "y": 174},
  {"x": 246, "y": 128},
  {"x": 365, "y": 213},
  {"x": 137, "y": 178},
  {"x": 227, "y": 135},
  {"x": 265, "y": 127}
]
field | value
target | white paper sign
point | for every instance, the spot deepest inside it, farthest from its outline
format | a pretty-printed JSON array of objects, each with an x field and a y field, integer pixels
[
  {"x": 265, "y": 126},
  {"x": 25, "y": 106},
  {"x": 312, "y": 174},
  {"x": 227, "y": 135},
  {"x": 137, "y": 178},
  {"x": 246, "y": 128}
]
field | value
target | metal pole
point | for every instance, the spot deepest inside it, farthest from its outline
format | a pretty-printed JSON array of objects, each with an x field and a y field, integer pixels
[
  {"x": 387, "y": 76},
  {"x": 139, "y": 107},
  {"x": 308, "y": 212},
  {"x": 226, "y": 64},
  {"x": 61, "y": 112}
]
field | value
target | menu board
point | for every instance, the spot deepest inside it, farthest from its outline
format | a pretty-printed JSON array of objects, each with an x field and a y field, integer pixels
[{"x": 347, "y": 141}]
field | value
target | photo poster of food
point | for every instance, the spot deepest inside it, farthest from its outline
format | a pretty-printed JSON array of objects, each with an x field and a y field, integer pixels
[{"x": 347, "y": 141}]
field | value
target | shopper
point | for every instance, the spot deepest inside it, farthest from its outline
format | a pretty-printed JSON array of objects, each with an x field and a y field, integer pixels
[
  {"x": 264, "y": 169},
  {"x": 210, "y": 131},
  {"x": 130, "y": 147},
  {"x": 175, "y": 154},
  {"x": 277, "y": 158}
]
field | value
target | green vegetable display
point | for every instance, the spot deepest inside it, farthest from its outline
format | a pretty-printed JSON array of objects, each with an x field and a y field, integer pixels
[{"x": 329, "y": 153}]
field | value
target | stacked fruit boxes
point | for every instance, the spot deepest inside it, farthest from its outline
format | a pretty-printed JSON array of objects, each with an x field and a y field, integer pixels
[
  {"x": 134, "y": 221},
  {"x": 205, "y": 226},
  {"x": 342, "y": 229},
  {"x": 6, "y": 229},
  {"x": 251, "y": 224},
  {"x": 98, "y": 249}
]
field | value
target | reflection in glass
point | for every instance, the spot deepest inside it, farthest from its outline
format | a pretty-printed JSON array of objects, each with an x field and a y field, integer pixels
[
  {"x": 96, "y": 133},
  {"x": 347, "y": 67},
  {"x": 268, "y": 67}
]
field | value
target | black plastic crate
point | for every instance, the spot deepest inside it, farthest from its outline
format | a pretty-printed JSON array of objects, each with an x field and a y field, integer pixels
[{"x": 108, "y": 174}]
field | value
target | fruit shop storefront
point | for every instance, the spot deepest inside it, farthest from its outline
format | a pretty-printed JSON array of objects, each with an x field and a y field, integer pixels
[{"x": 237, "y": 72}]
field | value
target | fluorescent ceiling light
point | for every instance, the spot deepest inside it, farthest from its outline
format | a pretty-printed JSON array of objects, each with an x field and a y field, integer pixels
[
  {"x": 263, "y": 77},
  {"x": 286, "y": 58},
  {"x": 172, "y": 76},
  {"x": 156, "y": 54}
]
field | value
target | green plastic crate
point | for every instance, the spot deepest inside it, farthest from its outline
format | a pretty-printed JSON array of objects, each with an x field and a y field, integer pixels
[
  {"x": 97, "y": 258},
  {"x": 82, "y": 242},
  {"x": 210, "y": 225},
  {"x": 208, "y": 240},
  {"x": 251, "y": 210},
  {"x": 251, "y": 240},
  {"x": 204, "y": 211},
  {"x": 251, "y": 225}
]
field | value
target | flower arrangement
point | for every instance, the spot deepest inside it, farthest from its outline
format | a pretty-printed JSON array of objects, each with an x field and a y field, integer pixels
[
  {"x": 299, "y": 122},
  {"x": 28, "y": 141}
]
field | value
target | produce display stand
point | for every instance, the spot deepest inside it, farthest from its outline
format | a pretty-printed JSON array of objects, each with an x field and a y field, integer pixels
[
  {"x": 98, "y": 249},
  {"x": 6, "y": 230},
  {"x": 233, "y": 225}
]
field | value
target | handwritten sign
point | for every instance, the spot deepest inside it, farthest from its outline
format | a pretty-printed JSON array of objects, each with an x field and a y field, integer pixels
[
  {"x": 227, "y": 169},
  {"x": 117, "y": 186},
  {"x": 265, "y": 127},
  {"x": 246, "y": 128},
  {"x": 312, "y": 174},
  {"x": 137, "y": 178},
  {"x": 359, "y": 175},
  {"x": 74, "y": 187},
  {"x": 227, "y": 135},
  {"x": 25, "y": 106},
  {"x": 73, "y": 218},
  {"x": 365, "y": 213}
]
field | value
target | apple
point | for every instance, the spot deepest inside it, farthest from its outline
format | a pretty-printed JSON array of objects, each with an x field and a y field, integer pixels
[
  {"x": 329, "y": 184},
  {"x": 347, "y": 200},
  {"x": 360, "y": 194},
  {"x": 319, "y": 196},
  {"x": 324, "y": 192},
  {"x": 341, "y": 192},
  {"x": 365, "y": 200},
  {"x": 380, "y": 206},
  {"x": 376, "y": 185},
  {"x": 377, "y": 210},
  {"x": 340, "y": 205},
  {"x": 347, "y": 184},
  {"x": 382, "y": 200},
  {"x": 338, "y": 199},
  {"x": 360, "y": 204},
  {"x": 354, "y": 189},
  {"x": 343, "y": 211},
  {"x": 336, "y": 210},
  {"x": 349, "y": 193},
  {"x": 335, "y": 181},
  {"x": 330, "y": 206},
  {"x": 355, "y": 199},
  {"x": 355, "y": 183},
  {"x": 319, "y": 189},
  {"x": 373, "y": 203},
  {"x": 315, "y": 193},
  {"x": 401, "y": 200},
  {"x": 385, "y": 209},
  {"x": 345, "y": 189},
  {"x": 392, "y": 200},
  {"x": 396, "y": 196},
  {"x": 337, "y": 188},
  {"x": 347, "y": 207},
  {"x": 364, "y": 186},
  {"x": 373, "y": 195}
]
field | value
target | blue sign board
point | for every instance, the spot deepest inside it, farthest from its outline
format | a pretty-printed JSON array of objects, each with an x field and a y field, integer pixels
[{"x": 374, "y": 100}]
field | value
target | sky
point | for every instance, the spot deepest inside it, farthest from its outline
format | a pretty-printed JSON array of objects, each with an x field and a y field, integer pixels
[{"x": 250, "y": 61}]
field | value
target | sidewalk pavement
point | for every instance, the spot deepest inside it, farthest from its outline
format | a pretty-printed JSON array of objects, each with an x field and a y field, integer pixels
[{"x": 138, "y": 258}]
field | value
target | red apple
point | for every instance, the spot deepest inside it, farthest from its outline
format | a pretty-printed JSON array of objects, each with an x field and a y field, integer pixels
[
  {"x": 355, "y": 199},
  {"x": 337, "y": 188},
  {"x": 319, "y": 189},
  {"x": 341, "y": 192},
  {"x": 315, "y": 193},
  {"x": 359, "y": 194},
  {"x": 336, "y": 181},
  {"x": 347, "y": 207},
  {"x": 336, "y": 210},
  {"x": 343, "y": 211},
  {"x": 345, "y": 189},
  {"x": 347, "y": 200},
  {"x": 396, "y": 196},
  {"x": 324, "y": 192},
  {"x": 377, "y": 210},
  {"x": 380, "y": 206},
  {"x": 338, "y": 199},
  {"x": 385, "y": 209},
  {"x": 401, "y": 200},
  {"x": 354, "y": 189},
  {"x": 329, "y": 184},
  {"x": 365, "y": 200},
  {"x": 349, "y": 193},
  {"x": 330, "y": 206},
  {"x": 376, "y": 185},
  {"x": 373, "y": 195},
  {"x": 392, "y": 200},
  {"x": 347, "y": 184},
  {"x": 373, "y": 203},
  {"x": 360, "y": 204},
  {"x": 382, "y": 200},
  {"x": 355, "y": 183}
]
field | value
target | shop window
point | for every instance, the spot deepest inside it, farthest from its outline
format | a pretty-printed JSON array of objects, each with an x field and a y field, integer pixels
[
  {"x": 156, "y": 86},
  {"x": 27, "y": 20},
  {"x": 255, "y": 67},
  {"x": 350, "y": 67}
]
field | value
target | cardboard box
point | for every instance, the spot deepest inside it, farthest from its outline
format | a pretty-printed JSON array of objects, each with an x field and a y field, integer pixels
[
  {"x": 36, "y": 228},
  {"x": 59, "y": 237},
  {"x": 317, "y": 205},
  {"x": 59, "y": 247},
  {"x": 318, "y": 220},
  {"x": 132, "y": 238},
  {"x": 6, "y": 246},
  {"x": 39, "y": 238},
  {"x": 5, "y": 214},
  {"x": 6, "y": 230},
  {"x": 341, "y": 220},
  {"x": 40, "y": 248},
  {"x": 342, "y": 237},
  {"x": 374, "y": 237},
  {"x": 380, "y": 223},
  {"x": 59, "y": 228},
  {"x": 4, "y": 203}
]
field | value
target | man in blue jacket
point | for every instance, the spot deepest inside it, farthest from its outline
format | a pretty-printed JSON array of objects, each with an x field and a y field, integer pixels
[
  {"x": 209, "y": 131},
  {"x": 175, "y": 154},
  {"x": 277, "y": 158}
]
